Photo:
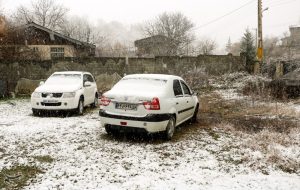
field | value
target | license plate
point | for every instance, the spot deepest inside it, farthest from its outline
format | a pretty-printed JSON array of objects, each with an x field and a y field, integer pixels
[
  {"x": 50, "y": 101},
  {"x": 126, "y": 106}
]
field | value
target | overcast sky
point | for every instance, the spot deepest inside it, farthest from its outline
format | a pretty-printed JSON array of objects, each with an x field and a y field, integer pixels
[{"x": 276, "y": 20}]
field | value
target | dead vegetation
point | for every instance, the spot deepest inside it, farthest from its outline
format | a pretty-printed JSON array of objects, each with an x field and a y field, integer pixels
[
  {"x": 17, "y": 177},
  {"x": 267, "y": 128}
]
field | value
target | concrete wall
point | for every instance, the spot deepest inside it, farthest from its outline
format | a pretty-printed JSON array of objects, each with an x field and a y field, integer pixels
[{"x": 12, "y": 71}]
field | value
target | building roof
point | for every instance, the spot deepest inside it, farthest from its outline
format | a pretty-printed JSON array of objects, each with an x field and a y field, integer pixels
[
  {"x": 53, "y": 34},
  {"x": 151, "y": 38}
]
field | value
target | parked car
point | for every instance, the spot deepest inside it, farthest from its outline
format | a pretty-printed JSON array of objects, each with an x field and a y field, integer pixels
[
  {"x": 70, "y": 90},
  {"x": 148, "y": 102}
]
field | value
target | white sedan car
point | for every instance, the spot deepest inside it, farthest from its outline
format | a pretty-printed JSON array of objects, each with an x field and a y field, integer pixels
[
  {"x": 70, "y": 91},
  {"x": 148, "y": 102}
]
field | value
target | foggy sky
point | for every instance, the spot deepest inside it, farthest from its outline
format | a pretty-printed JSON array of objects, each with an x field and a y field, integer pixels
[{"x": 276, "y": 20}]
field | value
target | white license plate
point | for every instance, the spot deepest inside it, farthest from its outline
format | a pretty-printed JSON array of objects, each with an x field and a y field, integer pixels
[
  {"x": 126, "y": 106},
  {"x": 50, "y": 101}
]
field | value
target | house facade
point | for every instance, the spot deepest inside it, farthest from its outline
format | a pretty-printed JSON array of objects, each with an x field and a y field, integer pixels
[
  {"x": 157, "y": 45},
  {"x": 291, "y": 43},
  {"x": 37, "y": 41}
]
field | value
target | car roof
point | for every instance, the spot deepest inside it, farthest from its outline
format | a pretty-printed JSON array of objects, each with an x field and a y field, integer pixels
[
  {"x": 153, "y": 76},
  {"x": 71, "y": 72}
]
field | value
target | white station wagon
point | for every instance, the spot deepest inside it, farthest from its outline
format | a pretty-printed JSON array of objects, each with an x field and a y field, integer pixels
[
  {"x": 70, "y": 90},
  {"x": 148, "y": 102}
]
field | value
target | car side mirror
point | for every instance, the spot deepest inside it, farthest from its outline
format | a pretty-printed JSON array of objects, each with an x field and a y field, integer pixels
[
  {"x": 87, "y": 84},
  {"x": 195, "y": 93},
  {"x": 41, "y": 83}
]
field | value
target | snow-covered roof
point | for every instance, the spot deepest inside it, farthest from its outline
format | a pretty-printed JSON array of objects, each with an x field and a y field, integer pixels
[{"x": 54, "y": 33}]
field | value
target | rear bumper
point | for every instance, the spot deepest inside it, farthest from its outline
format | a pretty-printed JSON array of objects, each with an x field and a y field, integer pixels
[{"x": 151, "y": 123}]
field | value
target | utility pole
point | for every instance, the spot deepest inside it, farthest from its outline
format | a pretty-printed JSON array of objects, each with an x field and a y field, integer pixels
[{"x": 260, "y": 34}]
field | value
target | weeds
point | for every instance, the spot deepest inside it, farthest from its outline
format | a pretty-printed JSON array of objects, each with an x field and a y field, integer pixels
[
  {"x": 44, "y": 159},
  {"x": 17, "y": 177}
]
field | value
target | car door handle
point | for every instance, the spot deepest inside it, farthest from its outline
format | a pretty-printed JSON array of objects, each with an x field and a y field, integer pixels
[
  {"x": 187, "y": 101},
  {"x": 177, "y": 103}
]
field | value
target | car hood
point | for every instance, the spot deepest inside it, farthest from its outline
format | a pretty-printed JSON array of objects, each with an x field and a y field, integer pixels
[{"x": 58, "y": 88}]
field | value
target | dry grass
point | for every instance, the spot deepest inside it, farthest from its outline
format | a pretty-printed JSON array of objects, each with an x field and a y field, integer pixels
[
  {"x": 17, "y": 177},
  {"x": 268, "y": 143},
  {"x": 260, "y": 127}
]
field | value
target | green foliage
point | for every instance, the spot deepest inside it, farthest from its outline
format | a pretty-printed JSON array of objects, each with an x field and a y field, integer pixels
[{"x": 248, "y": 48}]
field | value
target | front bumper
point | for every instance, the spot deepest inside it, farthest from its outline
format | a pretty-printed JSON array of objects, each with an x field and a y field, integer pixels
[
  {"x": 54, "y": 103},
  {"x": 151, "y": 123}
]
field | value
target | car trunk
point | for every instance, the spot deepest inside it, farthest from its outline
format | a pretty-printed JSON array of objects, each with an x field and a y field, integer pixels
[{"x": 128, "y": 96}]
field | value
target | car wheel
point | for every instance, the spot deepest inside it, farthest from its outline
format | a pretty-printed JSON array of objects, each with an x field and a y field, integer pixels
[
  {"x": 170, "y": 128},
  {"x": 108, "y": 129},
  {"x": 35, "y": 112},
  {"x": 194, "y": 118},
  {"x": 80, "y": 107},
  {"x": 95, "y": 103}
]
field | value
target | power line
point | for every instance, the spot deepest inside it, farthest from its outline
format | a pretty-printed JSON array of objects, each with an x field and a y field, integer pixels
[{"x": 229, "y": 13}]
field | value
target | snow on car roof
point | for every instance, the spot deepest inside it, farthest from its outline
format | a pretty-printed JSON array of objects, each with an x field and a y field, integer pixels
[
  {"x": 153, "y": 76},
  {"x": 70, "y": 72}
]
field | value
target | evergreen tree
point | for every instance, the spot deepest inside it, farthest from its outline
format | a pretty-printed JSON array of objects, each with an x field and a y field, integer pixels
[
  {"x": 228, "y": 46},
  {"x": 248, "y": 48}
]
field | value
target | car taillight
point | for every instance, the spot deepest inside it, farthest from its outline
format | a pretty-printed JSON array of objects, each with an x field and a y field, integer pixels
[
  {"x": 152, "y": 105},
  {"x": 104, "y": 101}
]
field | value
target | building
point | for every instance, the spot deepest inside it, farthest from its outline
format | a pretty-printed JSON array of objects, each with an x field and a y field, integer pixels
[
  {"x": 2, "y": 26},
  {"x": 33, "y": 40},
  {"x": 157, "y": 45},
  {"x": 291, "y": 43}
]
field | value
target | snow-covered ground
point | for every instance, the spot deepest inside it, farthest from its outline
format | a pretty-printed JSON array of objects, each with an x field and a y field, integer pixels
[{"x": 85, "y": 157}]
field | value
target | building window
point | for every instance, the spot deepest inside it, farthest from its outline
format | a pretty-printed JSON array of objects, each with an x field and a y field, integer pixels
[
  {"x": 57, "y": 52},
  {"x": 35, "y": 49}
]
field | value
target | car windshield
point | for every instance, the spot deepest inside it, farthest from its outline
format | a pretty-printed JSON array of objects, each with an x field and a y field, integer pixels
[
  {"x": 64, "y": 79},
  {"x": 140, "y": 84}
]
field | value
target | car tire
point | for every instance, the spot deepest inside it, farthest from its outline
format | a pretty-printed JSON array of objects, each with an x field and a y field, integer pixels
[
  {"x": 170, "y": 129},
  {"x": 108, "y": 129},
  {"x": 35, "y": 112},
  {"x": 95, "y": 103},
  {"x": 194, "y": 118},
  {"x": 80, "y": 107}
]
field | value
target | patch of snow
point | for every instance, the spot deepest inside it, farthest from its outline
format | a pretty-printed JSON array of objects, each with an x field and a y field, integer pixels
[
  {"x": 85, "y": 157},
  {"x": 230, "y": 94}
]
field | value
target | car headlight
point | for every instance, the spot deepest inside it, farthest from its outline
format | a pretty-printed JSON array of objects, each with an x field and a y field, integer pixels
[
  {"x": 69, "y": 95},
  {"x": 36, "y": 95}
]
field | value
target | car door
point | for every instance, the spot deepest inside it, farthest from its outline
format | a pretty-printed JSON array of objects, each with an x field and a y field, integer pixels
[
  {"x": 188, "y": 101},
  {"x": 88, "y": 90},
  {"x": 178, "y": 101}
]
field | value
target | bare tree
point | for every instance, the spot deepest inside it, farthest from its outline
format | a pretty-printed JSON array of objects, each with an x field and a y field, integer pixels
[
  {"x": 81, "y": 29},
  {"x": 206, "y": 46},
  {"x": 272, "y": 48},
  {"x": 1, "y": 8},
  {"x": 44, "y": 12},
  {"x": 176, "y": 27},
  {"x": 235, "y": 48}
]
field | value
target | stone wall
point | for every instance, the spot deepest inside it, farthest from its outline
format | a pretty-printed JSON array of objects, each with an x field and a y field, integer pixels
[{"x": 12, "y": 71}]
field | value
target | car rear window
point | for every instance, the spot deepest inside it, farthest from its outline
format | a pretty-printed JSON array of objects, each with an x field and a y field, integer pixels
[{"x": 141, "y": 84}]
